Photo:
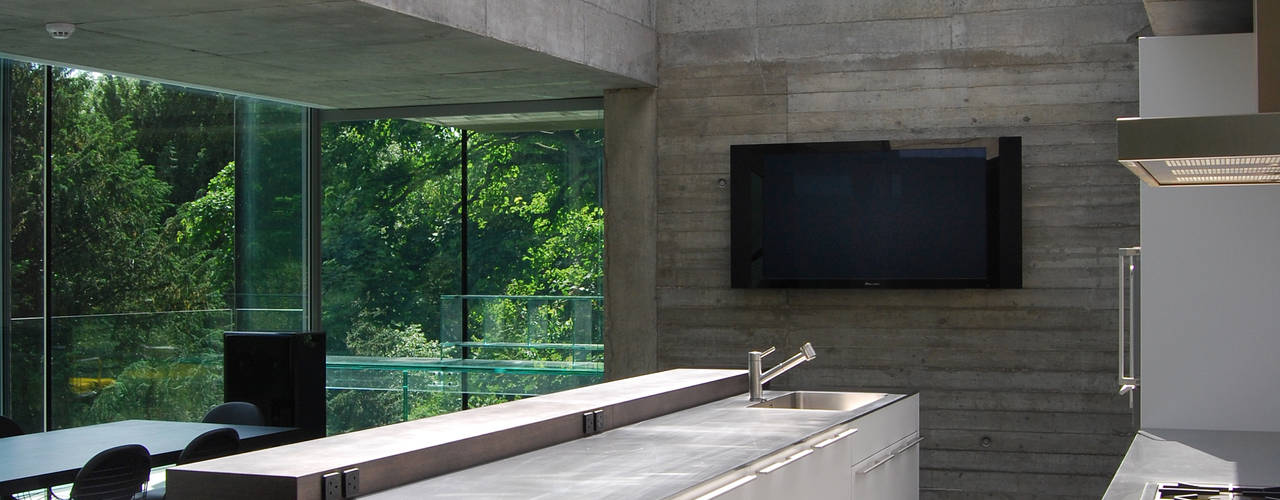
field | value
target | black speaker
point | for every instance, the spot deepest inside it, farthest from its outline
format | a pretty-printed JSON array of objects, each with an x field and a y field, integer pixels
[{"x": 282, "y": 373}]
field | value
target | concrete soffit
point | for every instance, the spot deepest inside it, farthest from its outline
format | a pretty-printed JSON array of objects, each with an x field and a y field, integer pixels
[{"x": 342, "y": 53}]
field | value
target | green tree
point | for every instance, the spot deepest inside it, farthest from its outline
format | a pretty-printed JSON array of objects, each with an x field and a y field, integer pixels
[{"x": 118, "y": 262}]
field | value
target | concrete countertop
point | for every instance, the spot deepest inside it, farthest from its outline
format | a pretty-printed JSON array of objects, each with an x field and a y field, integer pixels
[
  {"x": 652, "y": 459},
  {"x": 401, "y": 453},
  {"x": 1195, "y": 456}
]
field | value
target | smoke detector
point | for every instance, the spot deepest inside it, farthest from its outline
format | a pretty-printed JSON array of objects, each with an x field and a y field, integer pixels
[{"x": 60, "y": 31}]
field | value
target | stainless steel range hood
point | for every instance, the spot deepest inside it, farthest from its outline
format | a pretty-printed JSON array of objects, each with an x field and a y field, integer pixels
[
  {"x": 1201, "y": 150},
  {"x": 1214, "y": 150}
]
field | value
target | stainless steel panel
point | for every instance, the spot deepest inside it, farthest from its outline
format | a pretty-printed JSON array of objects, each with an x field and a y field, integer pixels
[
  {"x": 818, "y": 400},
  {"x": 1206, "y": 150}
]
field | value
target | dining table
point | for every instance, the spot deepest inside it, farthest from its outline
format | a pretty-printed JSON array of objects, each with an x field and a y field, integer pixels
[{"x": 45, "y": 459}]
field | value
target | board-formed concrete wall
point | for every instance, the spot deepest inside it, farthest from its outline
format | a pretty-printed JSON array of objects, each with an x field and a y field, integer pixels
[{"x": 1028, "y": 372}]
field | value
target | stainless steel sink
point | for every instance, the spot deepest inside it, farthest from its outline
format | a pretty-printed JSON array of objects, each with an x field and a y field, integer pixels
[{"x": 818, "y": 400}]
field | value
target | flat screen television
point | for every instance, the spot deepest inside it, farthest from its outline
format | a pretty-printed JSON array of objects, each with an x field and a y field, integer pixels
[{"x": 877, "y": 214}]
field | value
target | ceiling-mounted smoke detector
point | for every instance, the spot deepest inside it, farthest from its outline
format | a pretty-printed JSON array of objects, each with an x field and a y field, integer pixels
[{"x": 60, "y": 31}]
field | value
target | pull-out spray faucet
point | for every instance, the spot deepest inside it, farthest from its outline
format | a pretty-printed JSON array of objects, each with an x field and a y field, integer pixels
[{"x": 757, "y": 379}]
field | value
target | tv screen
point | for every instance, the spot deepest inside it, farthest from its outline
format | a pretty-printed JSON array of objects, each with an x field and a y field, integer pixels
[{"x": 879, "y": 214}]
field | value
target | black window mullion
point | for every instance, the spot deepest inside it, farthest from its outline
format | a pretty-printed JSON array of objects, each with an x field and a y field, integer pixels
[
  {"x": 46, "y": 200},
  {"x": 465, "y": 286},
  {"x": 6, "y": 240}
]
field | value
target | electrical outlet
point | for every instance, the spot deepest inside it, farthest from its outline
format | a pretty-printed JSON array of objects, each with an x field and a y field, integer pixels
[
  {"x": 602, "y": 420},
  {"x": 333, "y": 486},
  {"x": 588, "y": 423},
  {"x": 351, "y": 482}
]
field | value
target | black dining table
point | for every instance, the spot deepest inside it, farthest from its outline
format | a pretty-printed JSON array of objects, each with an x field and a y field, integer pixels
[{"x": 45, "y": 459}]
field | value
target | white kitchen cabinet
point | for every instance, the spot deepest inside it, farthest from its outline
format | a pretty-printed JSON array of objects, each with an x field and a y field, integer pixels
[
  {"x": 742, "y": 489},
  {"x": 813, "y": 472},
  {"x": 873, "y": 457},
  {"x": 891, "y": 474},
  {"x": 887, "y": 454}
]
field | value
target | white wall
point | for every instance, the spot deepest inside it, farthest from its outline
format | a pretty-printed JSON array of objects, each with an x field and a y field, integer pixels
[
  {"x": 1197, "y": 75},
  {"x": 1210, "y": 258}
]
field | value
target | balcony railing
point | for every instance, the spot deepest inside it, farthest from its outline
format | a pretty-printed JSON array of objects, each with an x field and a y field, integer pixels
[{"x": 492, "y": 348}]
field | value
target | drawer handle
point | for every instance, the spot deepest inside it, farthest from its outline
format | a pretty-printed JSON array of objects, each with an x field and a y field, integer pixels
[
  {"x": 882, "y": 461},
  {"x": 914, "y": 442},
  {"x": 778, "y": 465},
  {"x": 835, "y": 438},
  {"x": 887, "y": 458}
]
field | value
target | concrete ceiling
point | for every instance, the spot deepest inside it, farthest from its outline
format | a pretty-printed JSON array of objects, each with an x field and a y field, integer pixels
[
  {"x": 1199, "y": 17},
  {"x": 328, "y": 53}
]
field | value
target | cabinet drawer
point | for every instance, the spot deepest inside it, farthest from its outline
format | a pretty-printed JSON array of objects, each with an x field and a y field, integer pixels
[
  {"x": 890, "y": 474},
  {"x": 884, "y": 427}
]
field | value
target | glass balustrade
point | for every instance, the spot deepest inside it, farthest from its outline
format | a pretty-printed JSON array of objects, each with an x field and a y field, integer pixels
[{"x": 508, "y": 347}]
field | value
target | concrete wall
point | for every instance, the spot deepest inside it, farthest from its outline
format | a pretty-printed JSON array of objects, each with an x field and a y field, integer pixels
[
  {"x": 631, "y": 192},
  {"x": 1031, "y": 370},
  {"x": 612, "y": 35},
  {"x": 1209, "y": 323}
]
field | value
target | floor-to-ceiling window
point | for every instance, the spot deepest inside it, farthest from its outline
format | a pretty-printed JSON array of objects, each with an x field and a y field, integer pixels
[
  {"x": 391, "y": 238},
  {"x": 460, "y": 267},
  {"x": 462, "y": 264},
  {"x": 23, "y": 154},
  {"x": 142, "y": 220}
]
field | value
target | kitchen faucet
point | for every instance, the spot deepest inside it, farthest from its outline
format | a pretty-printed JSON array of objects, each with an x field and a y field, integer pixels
[{"x": 757, "y": 379}]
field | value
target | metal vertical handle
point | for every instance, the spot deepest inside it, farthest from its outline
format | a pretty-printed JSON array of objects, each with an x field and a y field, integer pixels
[{"x": 1128, "y": 376}]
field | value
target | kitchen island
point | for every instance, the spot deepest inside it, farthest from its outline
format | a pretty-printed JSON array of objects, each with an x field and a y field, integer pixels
[
  {"x": 1195, "y": 456},
  {"x": 655, "y": 435},
  {"x": 660, "y": 457}
]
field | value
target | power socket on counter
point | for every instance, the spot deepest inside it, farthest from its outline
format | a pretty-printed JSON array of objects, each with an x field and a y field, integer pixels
[
  {"x": 594, "y": 422},
  {"x": 351, "y": 482},
  {"x": 340, "y": 485},
  {"x": 333, "y": 486}
]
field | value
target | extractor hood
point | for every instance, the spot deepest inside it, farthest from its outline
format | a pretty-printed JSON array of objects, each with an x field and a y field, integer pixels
[
  {"x": 1201, "y": 150},
  {"x": 1214, "y": 150}
]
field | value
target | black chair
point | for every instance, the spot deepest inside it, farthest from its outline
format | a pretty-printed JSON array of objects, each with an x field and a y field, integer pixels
[
  {"x": 9, "y": 428},
  {"x": 235, "y": 413},
  {"x": 114, "y": 474},
  {"x": 212, "y": 444}
]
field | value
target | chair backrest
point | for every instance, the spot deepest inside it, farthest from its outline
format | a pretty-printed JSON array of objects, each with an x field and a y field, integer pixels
[
  {"x": 116, "y": 473},
  {"x": 213, "y": 444},
  {"x": 236, "y": 413},
  {"x": 9, "y": 428}
]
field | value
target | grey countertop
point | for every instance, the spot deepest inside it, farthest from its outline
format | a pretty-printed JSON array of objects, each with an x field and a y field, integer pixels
[
  {"x": 410, "y": 451},
  {"x": 1196, "y": 456},
  {"x": 652, "y": 459}
]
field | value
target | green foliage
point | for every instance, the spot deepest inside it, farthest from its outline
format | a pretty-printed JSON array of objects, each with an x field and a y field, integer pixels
[
  {"x": 536, "y": 215},
  {"x": 200, "y": 234},
  {"x": 392, "y": 238},
  {"x": 390, "y": 229},
  {"x": 129, "y": 243},
  {"x": 145, "y": 258}
]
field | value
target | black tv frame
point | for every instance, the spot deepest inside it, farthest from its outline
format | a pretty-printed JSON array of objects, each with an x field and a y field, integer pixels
[{"x": 1004, "y": 223}]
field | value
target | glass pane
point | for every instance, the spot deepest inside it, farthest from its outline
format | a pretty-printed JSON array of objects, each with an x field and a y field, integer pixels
[
  {"x": 531, "y": 322},
  {"x": 536, "y": 218},
  {"x": 391, "y": 249},
  {"x": 536, "y": 245},
  {"x": 140, "y": 246},
  {"x": 269, "y": 260},
  {"x": 25, "y": 331}
]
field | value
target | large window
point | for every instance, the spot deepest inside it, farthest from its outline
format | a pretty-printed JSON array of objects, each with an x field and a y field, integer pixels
[
  {"x": 459, "y": 265},
  {"x": 460, "y": 268},
  {"x": 142, "y": 221}
]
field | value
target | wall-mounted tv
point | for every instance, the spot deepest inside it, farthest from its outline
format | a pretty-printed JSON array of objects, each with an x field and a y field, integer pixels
[{"x": 877, "y": 214}]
